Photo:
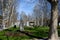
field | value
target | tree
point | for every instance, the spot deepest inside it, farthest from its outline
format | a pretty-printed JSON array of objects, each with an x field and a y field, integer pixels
[
  {"x": 14, "y": 16},
  {"x": 37, "y": 14},
  {"x": 53, "y": 34},
  {"x": 24, "y": 17},
  {"x": 40, "y": 12},
  {"x": 11, "y": 5},
  {"x": 0, "y": 12},
  {"x": 45, "y": 12},
  {"x": 12, "y": 12},
  {"x": 23, "y": 20},
  {"x": 7, "y": 9},
  {"x": 21, "y": 24}
]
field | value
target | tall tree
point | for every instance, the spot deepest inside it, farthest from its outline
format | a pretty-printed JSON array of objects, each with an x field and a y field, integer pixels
[
  {"x": 7, "y": 11},
  {"x": 23, "y": 20},
  {"x": 14, "y": 16},
  {"x": 37, "y": 14},
  {"x": 21, "y": 24},
  {"x": 1, "y": 13},
  {"x": 53, "y": 34},
  {"x": 40, "y": 12}
]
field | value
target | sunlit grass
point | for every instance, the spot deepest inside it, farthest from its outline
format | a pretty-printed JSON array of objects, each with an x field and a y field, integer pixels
[{"x": 36, "y": 31}]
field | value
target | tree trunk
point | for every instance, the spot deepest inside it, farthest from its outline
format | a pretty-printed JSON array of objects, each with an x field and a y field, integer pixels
[
  {"x": 21, "y": 25},
  {"x": 42, "y": 19},
  {"x": 53, "y": 34}
]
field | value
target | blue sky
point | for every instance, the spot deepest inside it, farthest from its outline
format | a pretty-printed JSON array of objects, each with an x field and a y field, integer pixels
[{"x": 27, "y": 6}]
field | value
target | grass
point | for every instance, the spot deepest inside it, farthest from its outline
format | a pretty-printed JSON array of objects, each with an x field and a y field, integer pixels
[
  {"x": 36, "y": 31},
  {"x": 13, "y": 30}
]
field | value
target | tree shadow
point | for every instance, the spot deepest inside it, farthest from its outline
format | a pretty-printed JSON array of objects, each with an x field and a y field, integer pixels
[{"x": 30, "y": 34}]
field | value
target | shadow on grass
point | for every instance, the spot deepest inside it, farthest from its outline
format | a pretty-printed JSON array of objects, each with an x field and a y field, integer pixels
[{"x": 30, "y": 34}]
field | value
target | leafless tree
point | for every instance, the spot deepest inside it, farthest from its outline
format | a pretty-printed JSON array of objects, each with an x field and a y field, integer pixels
[
  {"x": 7, "y": 11},
  {"x": 40, "y": 12},
  {"x": 23, "y": 20}
]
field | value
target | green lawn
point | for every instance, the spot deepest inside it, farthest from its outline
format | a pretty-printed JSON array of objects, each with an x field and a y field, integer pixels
[{"x": 13, "y": 34}]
